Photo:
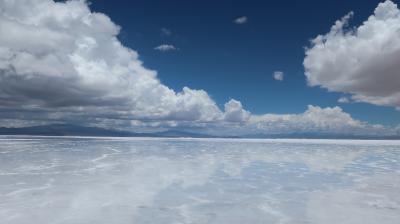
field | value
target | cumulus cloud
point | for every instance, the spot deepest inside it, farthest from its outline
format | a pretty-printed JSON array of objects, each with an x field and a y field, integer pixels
[
  {"x": 166, "y": 47},
  {"x": 343, "y": 100},
  {"x": 241, "y": 20},
  {"x": 60, "y": 62},
  {"x": 329, "y": 120},
  {"x": 314, "y": 121},
  {"x": 60, "y": 58},
  {"x": 234, "y": 112},
  {"x": 278, "y": 75},
  {"x": 363, "y": 61}
]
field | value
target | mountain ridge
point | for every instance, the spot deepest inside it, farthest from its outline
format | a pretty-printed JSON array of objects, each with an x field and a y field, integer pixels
[{"x": 77, "y": 130}]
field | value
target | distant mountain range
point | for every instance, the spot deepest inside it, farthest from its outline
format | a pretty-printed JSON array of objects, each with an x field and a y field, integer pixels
[{"x": 76, "y": 130}]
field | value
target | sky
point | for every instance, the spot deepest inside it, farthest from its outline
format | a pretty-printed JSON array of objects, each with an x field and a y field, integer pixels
[{"x": 240, "y": 67}]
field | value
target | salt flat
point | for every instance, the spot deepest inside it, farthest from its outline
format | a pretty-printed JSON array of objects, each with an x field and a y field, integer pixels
[{"x": 159, "y": 180}]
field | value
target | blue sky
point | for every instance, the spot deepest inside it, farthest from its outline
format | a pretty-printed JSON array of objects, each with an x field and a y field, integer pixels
[
  {"x": 226, "y": 68},
  {"x": 237, "y": 61}
]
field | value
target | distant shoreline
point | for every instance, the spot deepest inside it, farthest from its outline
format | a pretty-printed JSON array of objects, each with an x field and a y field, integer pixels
[
  {"x": 186, "y": 137},
  {"x": 58, "y": 130}
]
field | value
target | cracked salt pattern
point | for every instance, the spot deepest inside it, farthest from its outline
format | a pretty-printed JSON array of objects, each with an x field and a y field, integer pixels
[{"x": 152, "y": 180}]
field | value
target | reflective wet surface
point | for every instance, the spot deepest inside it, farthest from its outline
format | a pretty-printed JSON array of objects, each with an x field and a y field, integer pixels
[{"x": 150, "y": 180}]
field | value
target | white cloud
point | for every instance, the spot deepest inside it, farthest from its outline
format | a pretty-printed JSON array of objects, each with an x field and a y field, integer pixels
[
  {"x": 60, "y": 62},
  {"x": 278, "y": 75},
  {"x": 362, "y": 61},
  {"x": 62, "y": 59},
  {"x": 314, "y": 121},
  {"x": 343, "y": 100},
  {"x": 166, "y": 47},
  {"x": 329, "y": 120},
  {"x": 241, "y": 20},
  {"x": 166, "y": 31},
  {"x": 234, "y": 112}
]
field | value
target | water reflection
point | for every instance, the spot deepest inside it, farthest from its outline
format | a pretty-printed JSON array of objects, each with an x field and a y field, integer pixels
[{"x": 127, "y": 180}]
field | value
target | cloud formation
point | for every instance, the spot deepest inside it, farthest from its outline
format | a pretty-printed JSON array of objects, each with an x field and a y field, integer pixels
[
  {"x": 329, "y": 120},
  {"x": 60, "y": 62},
  {"x": 166, "y": 31},
  {"x": 362, "y": 61},
  {"x": 343, "y": 100},
  {"x": 234, "y": 112},
  {"x": 241, "y": 20},
  {"x": 61, "y": 58},
  {"x": 278, "y": 75},
  {"x": 166, "y": 47}
]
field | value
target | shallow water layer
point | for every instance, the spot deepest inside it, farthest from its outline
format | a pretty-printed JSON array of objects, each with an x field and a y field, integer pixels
[{"x": 148, "y": 180}]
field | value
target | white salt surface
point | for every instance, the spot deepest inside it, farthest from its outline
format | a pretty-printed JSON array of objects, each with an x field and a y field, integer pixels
[{"x": 73, "y": 180}]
